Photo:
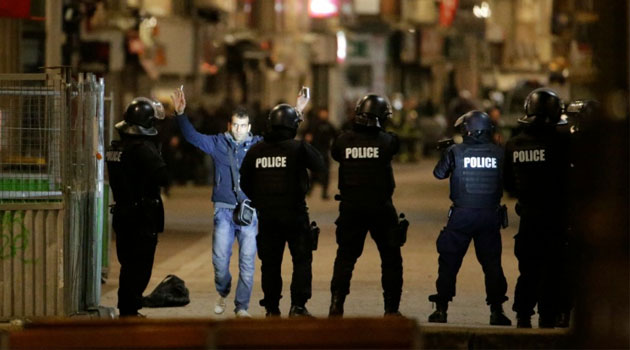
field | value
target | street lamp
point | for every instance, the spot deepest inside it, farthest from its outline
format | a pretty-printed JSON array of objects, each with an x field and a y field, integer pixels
[
  {"x": 482, "y": 11},
  {"x": 342, "y": 46}
]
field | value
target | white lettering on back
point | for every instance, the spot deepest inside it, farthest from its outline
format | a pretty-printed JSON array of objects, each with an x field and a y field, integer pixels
[
  {"x": 113, "y": 156},
  {"x": 271, "y": 162},
  {"x": 527, "y": 156},
  {"x": 361, "y": 152},
  {"x": 480, "y": 162}
]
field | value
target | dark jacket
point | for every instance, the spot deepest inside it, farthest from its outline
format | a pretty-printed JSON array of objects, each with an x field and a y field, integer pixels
[
  {"x": 136, "y": 172},
  {"x": 365, "y": 170},
  {"x": 274, "y": 172},
  {"x": 537, "y": 164},
  {"x": 218, "y": 146}
]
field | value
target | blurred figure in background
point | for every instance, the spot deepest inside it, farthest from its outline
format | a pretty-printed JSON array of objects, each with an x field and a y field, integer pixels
[
  {"x": 457, "y": 107},
  {"x": 494, "y": 113},
  {"x": 410, "y": 134},
  {"x": 320, "y": 133},
  {"x": 169, "y": 143},
  {"x": 349, "y": 113}
]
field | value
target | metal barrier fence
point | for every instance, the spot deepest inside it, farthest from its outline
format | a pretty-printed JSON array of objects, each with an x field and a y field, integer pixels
[
  {"x": 51, "y": 193},
  {"x": 31, "y": 107}
]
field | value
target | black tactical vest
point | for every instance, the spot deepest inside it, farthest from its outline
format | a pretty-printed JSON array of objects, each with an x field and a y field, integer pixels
[
  {"x": 279, "y": 175},
  {"x": 130, "y": 165},
  {"x": 119, "y": 184},
  {"x": 365, "y": 169},
  {"x": 537, "y": 167},
  {"x": 477, "y": 174}
]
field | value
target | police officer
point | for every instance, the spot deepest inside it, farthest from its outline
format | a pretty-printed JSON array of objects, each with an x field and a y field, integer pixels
[
  {"x": 475, "y": 171},
  {"x": 536, "y": 168},
  {"x": 274, "y": 177},
  {"x": 579, "y": 114},
  {"x": 366, "y": 185},
  {"x": 136, "y": 172}
]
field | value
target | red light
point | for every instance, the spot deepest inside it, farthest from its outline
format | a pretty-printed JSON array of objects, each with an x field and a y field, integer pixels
[{"x": 323, "y": 8}]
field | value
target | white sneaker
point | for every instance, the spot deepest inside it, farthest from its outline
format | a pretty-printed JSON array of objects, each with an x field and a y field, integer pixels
[
  {"x": 242, "y": 313},
  {"x": 219, "y": 305}
]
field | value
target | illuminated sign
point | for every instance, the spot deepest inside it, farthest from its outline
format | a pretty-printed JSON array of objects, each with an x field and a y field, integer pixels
[
  {"x": 447, "y": 12},
  {"x": 323, "y": 8},
  {"x": 342, "y": 46},
  {"x": 15, "y": 9}
]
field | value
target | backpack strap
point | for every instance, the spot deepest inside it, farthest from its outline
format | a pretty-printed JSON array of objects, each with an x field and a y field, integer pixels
[{"x": 235, "y": 176}]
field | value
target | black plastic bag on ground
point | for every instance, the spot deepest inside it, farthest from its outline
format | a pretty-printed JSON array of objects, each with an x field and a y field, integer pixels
[{"x": 171, "y": 291}]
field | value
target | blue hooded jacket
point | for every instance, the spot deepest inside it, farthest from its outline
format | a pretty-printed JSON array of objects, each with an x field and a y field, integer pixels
[{"x": 218, "y": 146}]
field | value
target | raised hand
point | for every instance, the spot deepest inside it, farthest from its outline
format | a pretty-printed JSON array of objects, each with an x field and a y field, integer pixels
[
  {"x": 179, "y": 100},
  {"x": 302, "y": 99}
]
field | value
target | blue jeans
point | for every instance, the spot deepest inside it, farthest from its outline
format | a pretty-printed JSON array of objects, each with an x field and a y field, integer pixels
[{"x": 225, "y": 230}]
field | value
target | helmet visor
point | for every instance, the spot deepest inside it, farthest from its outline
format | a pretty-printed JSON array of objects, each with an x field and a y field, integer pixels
[
  {"x": 459, "y": 122},
  {"x": 159, "y": 110}
]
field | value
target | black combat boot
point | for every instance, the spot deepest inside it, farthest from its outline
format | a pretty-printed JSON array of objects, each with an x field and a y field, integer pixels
[
  {"x": 441, "y": 306},
  {"x": 392, "y": 303},
  {"x": 439, "y": 315},
  {"x": 563, "y": 320},
  {"x": 523, "y": 321},
  {"x": 272, "y": 311},
  {"x": 271, "y": 307},
  {"x": 336, "y": 305},
  {"x": 497, "y": 316},
  {"x": 299, "y": 311}
]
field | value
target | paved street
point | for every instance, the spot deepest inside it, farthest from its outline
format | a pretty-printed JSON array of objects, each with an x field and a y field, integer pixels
[{"x": 185, "y": 250}]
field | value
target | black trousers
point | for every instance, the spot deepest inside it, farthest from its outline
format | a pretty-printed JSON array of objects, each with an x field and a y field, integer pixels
[
  {"x": 542, "y": 252},
  {"x": 275, "y": 230},
  {"x": 466, "y": 224},
  {"x": 135, "y": 251},
  {"x": 353, "y": 224}
]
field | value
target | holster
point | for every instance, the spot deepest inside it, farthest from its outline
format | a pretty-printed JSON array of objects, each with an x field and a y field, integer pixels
[
  {"x": 398, "y": 233},
  {"x": 503, "y": 215},
  {"x": 314, "y": 232}
]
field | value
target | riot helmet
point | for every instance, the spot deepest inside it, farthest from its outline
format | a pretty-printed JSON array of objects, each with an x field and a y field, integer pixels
[
  {"x": 474, "y": 122},
  {"x": 283, "y": 116},
  {"x": 372, "y": 110},
  {"x": 139, "y": 117},
  {"x": 542, "y": 106}
]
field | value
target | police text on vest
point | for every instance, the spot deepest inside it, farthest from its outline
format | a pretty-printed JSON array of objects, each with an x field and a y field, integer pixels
[
  {"x": 480, "y": 162},
  {"x": 531, "y": 155},
  {"x": 271, "y": 162},
  {"x": 113, "y": 156},
  {"x": 361, "y": 152}
]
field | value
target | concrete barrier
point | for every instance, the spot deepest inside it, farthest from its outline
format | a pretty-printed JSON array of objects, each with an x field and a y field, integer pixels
[
  {"x": 277, "y": 333},
  {"x": 465, "y": 337},
  {"x": 112, "y": 334},
  {"x": 351, "y": 333}
]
